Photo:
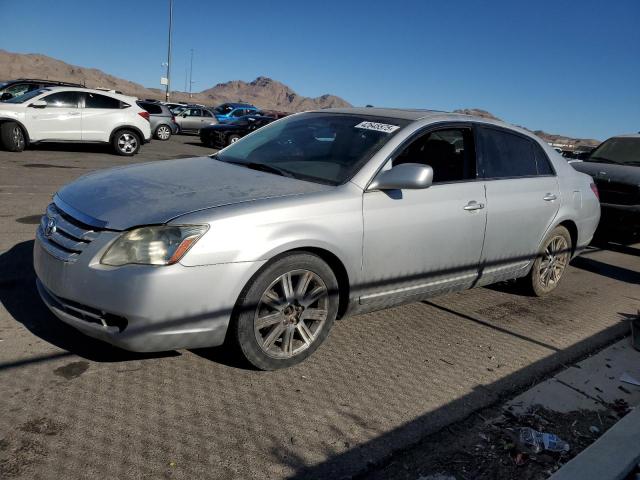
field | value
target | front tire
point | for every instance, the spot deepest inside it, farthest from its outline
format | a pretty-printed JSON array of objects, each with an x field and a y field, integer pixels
[
  {"x": 286, "y": 311},
  {"x": 12, "y": 137},
  {"x": 233, "y": 139},
  {"x": 549, "y": 267},
  {"x": 163, "y": 132},
  {"x": 126, "y": 143}
]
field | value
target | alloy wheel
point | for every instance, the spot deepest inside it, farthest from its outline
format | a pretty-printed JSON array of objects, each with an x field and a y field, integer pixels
[
  {"x": 18, "y": 137},
  {"x": 127, "y": 143},
  {"x": 291, "y": 313},
  {"x": 555, "y": 258}
]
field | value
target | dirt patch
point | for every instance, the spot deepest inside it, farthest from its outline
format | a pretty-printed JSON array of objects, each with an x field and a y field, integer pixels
[
  {"x": 43, "y": 426},
  {"x": 484, "y": 446},
  {"x": 72, "y": 370},
  {"x": 19, "y": 455}
]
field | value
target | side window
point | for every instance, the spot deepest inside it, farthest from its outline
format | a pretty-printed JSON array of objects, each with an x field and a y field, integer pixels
[
  {"x": 448, "y": 151},
  {"x": 542, "y": 161},
  {"x": 62, "y": 100},
  {"x": 506, "y": 155},
  {"x": 206, "y": 113},
  {"x": 239, "y": 112},
  {"x": 94, "y": 100}
]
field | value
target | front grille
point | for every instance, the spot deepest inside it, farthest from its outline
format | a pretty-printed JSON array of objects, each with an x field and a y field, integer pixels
[
  {"x": 63, "y": 236},
  {"x": 618, "y": 193}
]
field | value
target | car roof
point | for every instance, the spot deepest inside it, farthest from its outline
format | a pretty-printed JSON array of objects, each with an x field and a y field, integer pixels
[
  {"x": 627, "y": 135},
  {"x": 415, "y": 114},
  {"x": 91, "y": 90},
  {"x": 236, "y": 105}
]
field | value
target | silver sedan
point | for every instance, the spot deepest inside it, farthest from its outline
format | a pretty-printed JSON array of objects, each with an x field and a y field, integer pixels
[{"x": 315, "y": 217}]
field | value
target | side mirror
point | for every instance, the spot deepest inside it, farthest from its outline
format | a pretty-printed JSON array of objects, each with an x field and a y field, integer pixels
[
  {"x": 411, "y": 176},
  {"x": 38, "y": 104},
  {"x": 5, "y": 96}
]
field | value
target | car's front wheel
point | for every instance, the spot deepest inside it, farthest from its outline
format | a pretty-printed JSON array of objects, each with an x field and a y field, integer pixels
[
  {"x": 551, "y": 262},
  {"x": 163, "y": 132},
  {"x": 126, "y": 143},
  {"x": 12, "y": 137},
  {"x": 233, "y": 139},
  {"x": 286, "y": 311}
]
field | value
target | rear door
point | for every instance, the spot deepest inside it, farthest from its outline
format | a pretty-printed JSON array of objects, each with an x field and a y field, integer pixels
[
  {"x": 59, "y": 120},
  {"x": 191, "y": 119},
  {"x": 523, "y": 198},
  {"x": 99, "y": 115}
]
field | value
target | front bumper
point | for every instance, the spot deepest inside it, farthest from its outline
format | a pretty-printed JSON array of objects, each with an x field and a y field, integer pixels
[{"x": 137, "y": 307}]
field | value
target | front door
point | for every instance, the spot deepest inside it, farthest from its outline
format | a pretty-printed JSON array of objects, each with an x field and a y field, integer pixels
[
  {"x": 523, "y": 197},
  {"x": 59, "y": 120},
  {"x": 418, "y": 242}
]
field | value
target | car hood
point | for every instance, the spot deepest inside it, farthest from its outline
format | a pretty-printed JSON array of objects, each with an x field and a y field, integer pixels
[
  {"x": 609, "y": 171},
  {"x": 157, "y": 192}
]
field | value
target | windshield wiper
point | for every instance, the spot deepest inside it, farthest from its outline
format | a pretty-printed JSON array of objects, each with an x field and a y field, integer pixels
[{"x": 262, "y": 167}]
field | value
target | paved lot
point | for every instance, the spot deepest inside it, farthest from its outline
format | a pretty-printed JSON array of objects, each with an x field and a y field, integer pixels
[{"x": 71, "y": 407}]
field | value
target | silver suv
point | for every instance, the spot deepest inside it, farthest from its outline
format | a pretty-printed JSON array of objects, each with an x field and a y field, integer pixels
[{"x": 163, "y": 122}]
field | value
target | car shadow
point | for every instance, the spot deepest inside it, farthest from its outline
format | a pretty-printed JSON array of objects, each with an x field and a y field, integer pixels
[
  {"x": 607, "y": 270},
  {"x": 72, "y": 147},
  {"x": 19, "y": 296}
]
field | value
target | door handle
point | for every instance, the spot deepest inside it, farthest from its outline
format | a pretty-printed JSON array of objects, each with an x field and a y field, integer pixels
[
  {"x": 473, "y": 205},
  {"x": 549, "y": 197}
]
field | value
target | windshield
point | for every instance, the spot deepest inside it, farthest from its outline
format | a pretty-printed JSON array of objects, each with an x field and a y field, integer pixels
[
  {"x": 621, "y": 150},
  {"x": 27, "y": 96},
  {"x": 325, "y": 148},
  {"x": 223, "y": 109}
]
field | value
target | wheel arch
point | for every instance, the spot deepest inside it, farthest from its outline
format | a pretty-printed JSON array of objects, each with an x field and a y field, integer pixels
[
  {"x": 21, "y": 125},
  {"x": 571, "y": 226},
  {"x": 127, "y": 127}
]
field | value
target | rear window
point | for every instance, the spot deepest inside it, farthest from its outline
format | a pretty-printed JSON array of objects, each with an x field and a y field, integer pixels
[
  {"x": 506, "y": 155},
  {"x": 152, "y": 108},
  {"x": 621, "y": 150},
  {"x": 94, "y": 100}
]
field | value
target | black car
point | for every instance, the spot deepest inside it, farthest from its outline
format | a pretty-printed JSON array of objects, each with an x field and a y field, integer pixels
[
  {"x": 15, "y": 88},
  {"x": 615, "y": 167},
  {"x": 221, "y": 135}
]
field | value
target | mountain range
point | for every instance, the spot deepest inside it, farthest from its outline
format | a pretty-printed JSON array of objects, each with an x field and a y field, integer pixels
[{"x": 264, "y": 92}]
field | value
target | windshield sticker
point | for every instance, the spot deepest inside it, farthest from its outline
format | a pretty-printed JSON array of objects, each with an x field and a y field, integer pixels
[{"x": 378, "y": 127}]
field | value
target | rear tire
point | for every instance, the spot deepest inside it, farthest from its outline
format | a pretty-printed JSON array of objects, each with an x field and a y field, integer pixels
[
  {"x": 163, "y": 132},
  {"x": 126, "y": 143},
  {"x": 286, "y": 311},
  {"x": 12, "y": 137},
  {"x": 548, "y": 268}
]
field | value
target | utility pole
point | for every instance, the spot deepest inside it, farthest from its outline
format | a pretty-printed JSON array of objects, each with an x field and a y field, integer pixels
[
  {"x": 168, "y": 86},
  {"x": 191, "y": 75}
]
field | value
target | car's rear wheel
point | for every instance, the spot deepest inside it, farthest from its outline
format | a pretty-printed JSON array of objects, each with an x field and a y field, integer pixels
[
  {"x": 551, "y": 263},
  {"x": 233, "y": 139},
  {"x": 163, "y": 132},
  {"x": 12, "y": 137},
  {"x": 126, "y": 143},
  {"x": 286, "y": 311}
]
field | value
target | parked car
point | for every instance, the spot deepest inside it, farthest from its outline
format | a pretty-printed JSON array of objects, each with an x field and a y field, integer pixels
[
  {"x": 163, "y": 122},
  {"x": 79, "y": 115},
  {"x": 314, "y": 217},
  {"x": 227, "y": 112},
  {"x": 219, "y": 136},
  {"x": 193, "y": 118},
  {"x": 615, "y": 167},
  {"x": 15, "y": 88}
]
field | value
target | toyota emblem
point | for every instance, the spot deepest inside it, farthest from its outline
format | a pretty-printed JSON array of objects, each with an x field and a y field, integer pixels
[{"x": 50, "y": 229}]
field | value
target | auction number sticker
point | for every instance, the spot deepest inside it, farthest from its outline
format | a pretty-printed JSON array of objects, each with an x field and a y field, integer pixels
[{"x": 378, "y": 127}]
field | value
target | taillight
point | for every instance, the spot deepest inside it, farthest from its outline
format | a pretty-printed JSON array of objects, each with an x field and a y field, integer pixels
[
  {"x": 144, "y": 114},
  {"x": 594, "y": 189},
  {"x": 173, "y": 118}
]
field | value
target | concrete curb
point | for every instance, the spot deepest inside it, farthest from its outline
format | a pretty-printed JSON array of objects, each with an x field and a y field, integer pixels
[{"x": 611, "y": 457}]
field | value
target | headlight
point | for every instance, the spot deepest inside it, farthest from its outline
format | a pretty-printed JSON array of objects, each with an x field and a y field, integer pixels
[{"x": 161, "y": 245}]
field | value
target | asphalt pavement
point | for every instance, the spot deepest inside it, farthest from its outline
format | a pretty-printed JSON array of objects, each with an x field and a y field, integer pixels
[{"x": 72, "y": 407}]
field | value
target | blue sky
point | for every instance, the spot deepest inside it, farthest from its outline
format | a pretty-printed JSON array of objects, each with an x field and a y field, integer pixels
[{"x": 570, "y": 67}]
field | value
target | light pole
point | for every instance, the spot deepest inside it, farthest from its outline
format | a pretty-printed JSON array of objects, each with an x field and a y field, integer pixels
[
  {"x": 168, "y": 86},
  {"x": 191, "y": 75}
]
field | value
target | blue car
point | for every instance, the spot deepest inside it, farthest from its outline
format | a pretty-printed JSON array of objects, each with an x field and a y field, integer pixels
[{"x": 228, "y": 112}]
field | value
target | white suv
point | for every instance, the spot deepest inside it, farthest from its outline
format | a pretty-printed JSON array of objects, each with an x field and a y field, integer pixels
[{"x": 67, "y": 114}]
